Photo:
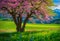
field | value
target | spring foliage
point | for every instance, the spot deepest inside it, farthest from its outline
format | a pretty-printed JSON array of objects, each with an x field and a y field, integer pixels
[{"x": 26, "y": 6}]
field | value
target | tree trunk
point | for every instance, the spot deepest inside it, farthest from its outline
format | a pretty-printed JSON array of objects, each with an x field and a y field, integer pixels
[
  {"x": 19, "y": 29},
  {"x": 18, "y": 22},
  {"x": 19, "y": 25},
  {"x": 15, "y": 21}
]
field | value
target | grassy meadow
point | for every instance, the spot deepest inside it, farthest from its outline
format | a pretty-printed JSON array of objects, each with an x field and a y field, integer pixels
[{"x": 33, "y": 32}]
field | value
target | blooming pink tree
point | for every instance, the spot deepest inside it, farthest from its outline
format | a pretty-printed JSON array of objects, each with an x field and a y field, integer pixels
[{"x": 17, "y": 8}]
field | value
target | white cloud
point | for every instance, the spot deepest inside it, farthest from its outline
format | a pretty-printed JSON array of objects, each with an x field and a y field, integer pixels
[{"x": 55, "y": 7}]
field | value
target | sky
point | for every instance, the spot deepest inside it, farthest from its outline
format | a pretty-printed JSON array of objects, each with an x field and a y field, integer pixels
[{"x": 56, "y": 2}]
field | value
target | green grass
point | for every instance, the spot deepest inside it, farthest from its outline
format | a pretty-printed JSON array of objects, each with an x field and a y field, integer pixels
[
  {"x": 33, "y": 32},
  {"x": 10, "y": 26},
  {"x": 30, "y": 36}
]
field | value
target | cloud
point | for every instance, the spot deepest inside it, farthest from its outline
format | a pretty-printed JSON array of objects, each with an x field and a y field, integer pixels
[{"x": 55, "y": 7}]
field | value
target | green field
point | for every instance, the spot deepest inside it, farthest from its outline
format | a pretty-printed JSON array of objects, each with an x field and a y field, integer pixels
[
  {"x": 33, "y": 32},
  {"x": 9, "y": 25}
]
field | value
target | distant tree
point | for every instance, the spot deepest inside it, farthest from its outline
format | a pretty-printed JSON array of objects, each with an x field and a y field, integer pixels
[{"x": 16, "y": 8}]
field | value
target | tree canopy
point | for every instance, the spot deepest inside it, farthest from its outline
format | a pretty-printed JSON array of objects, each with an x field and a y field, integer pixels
[{"x": 29, "y": 7}]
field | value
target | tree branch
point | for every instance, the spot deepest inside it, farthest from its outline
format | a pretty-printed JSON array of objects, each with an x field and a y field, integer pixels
[
  {"x": 14, "y": 18},
  {"x": 28, "y": 16}
]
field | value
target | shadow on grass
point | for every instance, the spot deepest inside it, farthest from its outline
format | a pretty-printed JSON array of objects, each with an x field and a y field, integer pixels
[
  {"x": 29, "y": 36},
  {"x": 23, "y": 33}
]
